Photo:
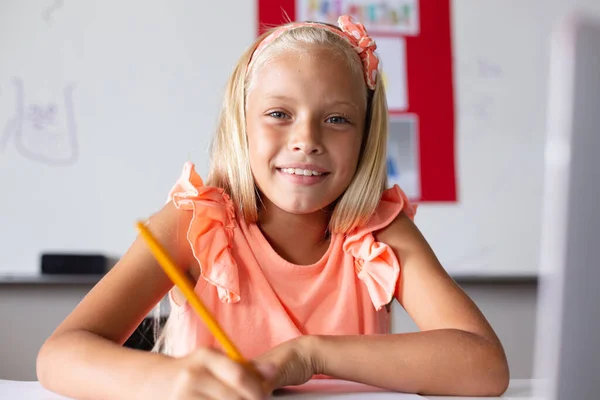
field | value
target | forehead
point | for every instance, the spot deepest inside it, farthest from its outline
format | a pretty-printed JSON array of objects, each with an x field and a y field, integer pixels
[{"x": 314, "y": 72}]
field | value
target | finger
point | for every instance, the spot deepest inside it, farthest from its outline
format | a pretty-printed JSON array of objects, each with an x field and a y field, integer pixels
[
  {"x": 235, "y": 375},
  {"x": 269, "y": 373},
  {"x": 267, "y": 370},
  {"x": 213, "y": 388}
]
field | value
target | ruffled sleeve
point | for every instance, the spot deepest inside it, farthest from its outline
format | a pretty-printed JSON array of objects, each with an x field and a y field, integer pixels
[
  {"x": 375, "y": 262},
  {"x": 210, "y": 232}
]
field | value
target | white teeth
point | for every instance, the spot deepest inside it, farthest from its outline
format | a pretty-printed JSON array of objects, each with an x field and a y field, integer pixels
[{"x": 299, "y": 171}]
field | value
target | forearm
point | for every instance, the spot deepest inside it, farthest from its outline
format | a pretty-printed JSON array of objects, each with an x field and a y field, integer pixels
[
  {"x": 84, "y": 366},
  {"x": 443, "y": 362}
]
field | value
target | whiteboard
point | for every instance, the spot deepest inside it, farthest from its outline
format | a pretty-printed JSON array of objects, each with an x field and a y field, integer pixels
[
  {"x": 501, "y": 53},
  {"x": 101, "y": 103}
]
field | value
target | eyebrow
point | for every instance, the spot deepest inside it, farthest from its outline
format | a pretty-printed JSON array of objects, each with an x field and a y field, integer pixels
[{"x": 332, "y": 103}]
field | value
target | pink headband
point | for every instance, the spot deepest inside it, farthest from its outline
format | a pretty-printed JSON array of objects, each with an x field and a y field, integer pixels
[{"x": 353, "y": 33}]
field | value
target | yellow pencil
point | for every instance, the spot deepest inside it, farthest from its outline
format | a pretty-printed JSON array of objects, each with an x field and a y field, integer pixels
[{"x": 187, "y": 289}]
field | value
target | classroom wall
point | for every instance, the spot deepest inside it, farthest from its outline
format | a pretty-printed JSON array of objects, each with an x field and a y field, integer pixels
[{"x": 29, "y": 314}]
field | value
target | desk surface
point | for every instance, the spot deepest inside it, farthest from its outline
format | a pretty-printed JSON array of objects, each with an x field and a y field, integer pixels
[{"x": 519, "y": 389}]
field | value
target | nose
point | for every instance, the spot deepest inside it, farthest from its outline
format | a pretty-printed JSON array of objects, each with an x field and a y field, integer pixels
[{"x": 306, "y": 138}]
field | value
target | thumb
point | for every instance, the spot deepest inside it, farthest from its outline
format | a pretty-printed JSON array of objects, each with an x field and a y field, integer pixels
[{"x": 267, "y": 370}]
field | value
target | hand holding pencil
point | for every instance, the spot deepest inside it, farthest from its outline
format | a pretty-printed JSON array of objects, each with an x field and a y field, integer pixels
[{"x": 231, "y": 375}]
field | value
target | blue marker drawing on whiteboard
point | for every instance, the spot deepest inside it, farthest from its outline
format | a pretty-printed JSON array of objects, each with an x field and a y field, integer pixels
[
  {"x": 488, "y": 69},
  {"x": 40, "y": 132},
  {"x": 483, "y": 107}
]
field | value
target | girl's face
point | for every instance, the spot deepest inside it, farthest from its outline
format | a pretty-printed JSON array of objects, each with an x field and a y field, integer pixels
[{"x": 305, "y": 119}]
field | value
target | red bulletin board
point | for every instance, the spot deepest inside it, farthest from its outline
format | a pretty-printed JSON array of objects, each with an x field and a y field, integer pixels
[{"x": 428, "y": 100}]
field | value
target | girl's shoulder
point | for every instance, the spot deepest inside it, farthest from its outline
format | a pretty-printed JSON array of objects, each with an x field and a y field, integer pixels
[
  {"x": 375, "y": 262},
  {"x": 210, "y": 230},
  {"x": 393, "y": 202},
  {"x": 189, "y": 190}
]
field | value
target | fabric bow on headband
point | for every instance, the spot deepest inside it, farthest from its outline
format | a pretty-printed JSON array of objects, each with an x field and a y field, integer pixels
[{"x": 353, "y": 32}]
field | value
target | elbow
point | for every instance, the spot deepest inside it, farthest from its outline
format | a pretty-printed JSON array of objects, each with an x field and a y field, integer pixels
[
  {"x": 45, "y": 363},
  {"x": 42, "y": 364},
  {"x": 494, "y": 374},
  {"x": 485, "y": 373},
  {"x": 497, "y": 385},
  {"x": 500, "y": 382}
]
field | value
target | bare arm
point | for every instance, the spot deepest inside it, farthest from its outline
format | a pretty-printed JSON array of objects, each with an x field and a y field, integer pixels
[
  {"x": 456, "y": 352},
  {"x": 84, "y": 357}
]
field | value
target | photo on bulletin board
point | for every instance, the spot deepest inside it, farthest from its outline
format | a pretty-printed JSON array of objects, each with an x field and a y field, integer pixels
[
  {"x": 403, "y": 155},
  {"x": 392, "y": 53},
  {"x": 391, "y": 16}
]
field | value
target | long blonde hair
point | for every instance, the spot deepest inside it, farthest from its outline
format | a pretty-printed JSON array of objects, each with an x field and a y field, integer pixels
[
  {"x": 230, "y": 165},
  {"x": 230, "y": 162}
]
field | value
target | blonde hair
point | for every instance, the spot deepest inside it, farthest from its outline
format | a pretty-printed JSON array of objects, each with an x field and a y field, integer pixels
[
  {"x": 230, "y": 162},
  {"x": 230, "y": 165}
]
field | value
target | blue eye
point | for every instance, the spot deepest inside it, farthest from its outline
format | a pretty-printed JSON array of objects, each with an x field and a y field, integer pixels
[
  {"x": 277, "y": 114},
  {"x": 338, "y": 120}
]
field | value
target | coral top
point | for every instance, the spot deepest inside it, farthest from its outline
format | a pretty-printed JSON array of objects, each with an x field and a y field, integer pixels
[{"x": 259, "y": 298}]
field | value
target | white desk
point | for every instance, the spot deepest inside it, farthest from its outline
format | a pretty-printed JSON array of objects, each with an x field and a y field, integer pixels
[{"x": 319, "y": 389}]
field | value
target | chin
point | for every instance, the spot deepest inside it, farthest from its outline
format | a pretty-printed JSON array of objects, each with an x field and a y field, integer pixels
[{"x": 299, "y": 207}]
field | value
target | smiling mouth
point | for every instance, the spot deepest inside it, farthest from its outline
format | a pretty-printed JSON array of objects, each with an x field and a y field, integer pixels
[
  {"x": 302, "y": 177},
  {"x": 301, "y": 172}
]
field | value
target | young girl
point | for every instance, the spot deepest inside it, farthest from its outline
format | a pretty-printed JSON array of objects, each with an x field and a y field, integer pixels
[{"x": 294, "y": 244}]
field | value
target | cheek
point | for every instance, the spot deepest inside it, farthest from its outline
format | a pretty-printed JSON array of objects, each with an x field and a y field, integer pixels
[
  {"x": 256, "y": 153},
  {"x": 346, "y": 155},
  {"x": 262, "y": 146}
]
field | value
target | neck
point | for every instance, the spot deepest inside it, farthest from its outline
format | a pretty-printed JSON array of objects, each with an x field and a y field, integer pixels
[{"x": 298, "y": 238}]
